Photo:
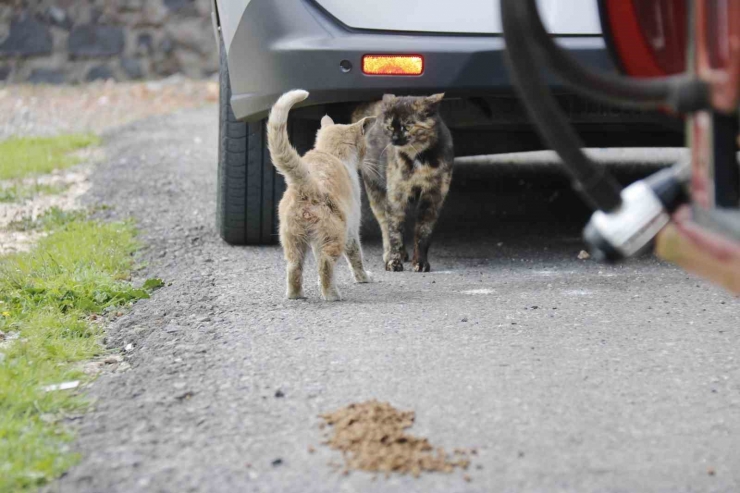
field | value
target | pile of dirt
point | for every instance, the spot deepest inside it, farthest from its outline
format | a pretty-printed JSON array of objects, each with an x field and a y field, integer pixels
[{"x": 371, "y": 436}]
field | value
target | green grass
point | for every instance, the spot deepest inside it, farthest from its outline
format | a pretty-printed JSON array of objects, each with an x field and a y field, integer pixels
[
  {"x": 47, "y": 297},
  {"x": 26, "y": 156},
  {"x": 21, "y": 192},
  {"x": 49, "y": 220}
]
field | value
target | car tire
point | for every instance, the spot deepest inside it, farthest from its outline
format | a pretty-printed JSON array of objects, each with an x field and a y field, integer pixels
[{"x": 249, "y": 189}]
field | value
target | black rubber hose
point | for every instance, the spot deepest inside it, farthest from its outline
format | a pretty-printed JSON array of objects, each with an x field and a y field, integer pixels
[
  {"x": 683, "y": 93},
  {"x": 590, "y": 180}
]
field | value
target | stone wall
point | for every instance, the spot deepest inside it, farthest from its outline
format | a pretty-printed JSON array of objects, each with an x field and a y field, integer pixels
[{"x": 70, "y": 41}]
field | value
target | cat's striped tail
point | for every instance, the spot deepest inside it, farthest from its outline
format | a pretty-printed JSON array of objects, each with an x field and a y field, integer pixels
[{"x": 284, "y": 156}]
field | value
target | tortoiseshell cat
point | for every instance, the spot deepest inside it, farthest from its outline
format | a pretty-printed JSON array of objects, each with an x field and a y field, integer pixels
[{"x": 408, "y": 160}]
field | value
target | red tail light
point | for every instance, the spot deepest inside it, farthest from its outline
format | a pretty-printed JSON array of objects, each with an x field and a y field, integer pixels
[
  {"x": 647, "y": 36},
  {"x": 392, "y": 64}
]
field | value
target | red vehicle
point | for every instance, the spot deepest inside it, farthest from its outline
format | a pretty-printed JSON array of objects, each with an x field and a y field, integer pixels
[{"x": 678, "y": 56}]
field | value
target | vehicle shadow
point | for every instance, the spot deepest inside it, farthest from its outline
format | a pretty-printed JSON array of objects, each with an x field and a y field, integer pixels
[{"x": 524, "y": 207}]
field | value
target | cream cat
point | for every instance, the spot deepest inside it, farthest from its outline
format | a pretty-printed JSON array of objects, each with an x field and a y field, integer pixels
[{"x": 321, "y": 206}]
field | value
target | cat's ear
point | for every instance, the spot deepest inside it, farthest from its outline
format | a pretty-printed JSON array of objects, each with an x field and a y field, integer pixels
[
  {"x": 326, "y": 121},
  {"x": 432, "y": 102},
  {"x": 366, "y": 124},
  {"x": 388, "y": 98}
]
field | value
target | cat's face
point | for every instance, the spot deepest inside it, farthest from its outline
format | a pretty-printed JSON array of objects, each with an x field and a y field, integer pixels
[
  {"x": 339, "y": 139},
  {"x": 410, "y": 121}
]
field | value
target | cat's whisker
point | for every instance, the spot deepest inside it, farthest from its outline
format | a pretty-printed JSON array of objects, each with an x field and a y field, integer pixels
[
  {"x": 372, "y": 168},
  {"x": 376, "y": 173},
  {"x": 385, "y": 149}
]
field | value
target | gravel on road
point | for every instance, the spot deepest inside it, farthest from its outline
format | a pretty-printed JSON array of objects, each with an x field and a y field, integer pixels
[{"x": 39, "y": 110}]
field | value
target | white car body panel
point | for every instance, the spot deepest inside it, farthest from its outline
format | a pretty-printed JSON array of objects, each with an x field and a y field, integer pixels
[
  {"x": 230, "y": 14},
  {"x": 439, "y": 16},
  {"x": 460, "y": 16}
]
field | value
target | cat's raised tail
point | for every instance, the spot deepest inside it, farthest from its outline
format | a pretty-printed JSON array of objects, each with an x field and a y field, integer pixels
[{"x": 284, "y": 156}]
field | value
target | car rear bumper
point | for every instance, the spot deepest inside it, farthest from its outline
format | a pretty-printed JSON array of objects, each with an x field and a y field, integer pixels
[{"x": 286, "y": 44}]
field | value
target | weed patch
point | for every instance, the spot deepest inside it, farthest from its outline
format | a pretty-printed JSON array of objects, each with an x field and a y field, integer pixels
[
  {"x": 28, "y": 156},
  {"x": 19, "y": 193},
  {"x": 47, "y": 299}
]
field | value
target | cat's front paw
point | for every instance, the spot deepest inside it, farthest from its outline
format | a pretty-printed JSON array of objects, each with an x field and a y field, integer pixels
[
  {"x": 405, "y": 255},
  {"x": 331, "y": 296},
  {"x": 421, "y": 266},
  {"x": 394, "y": 265}
]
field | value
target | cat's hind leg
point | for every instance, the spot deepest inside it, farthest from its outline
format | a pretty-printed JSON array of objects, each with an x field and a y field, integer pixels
[
  {"x": 294, "y": 248},
  {"x": 327, "y": 253}
]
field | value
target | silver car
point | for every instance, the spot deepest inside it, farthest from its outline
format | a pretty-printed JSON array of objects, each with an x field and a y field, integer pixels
[{"x": 345, "y": 52}]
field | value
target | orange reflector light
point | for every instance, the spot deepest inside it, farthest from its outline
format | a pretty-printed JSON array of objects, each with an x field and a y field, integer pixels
[{"x": 392, "y": 64}]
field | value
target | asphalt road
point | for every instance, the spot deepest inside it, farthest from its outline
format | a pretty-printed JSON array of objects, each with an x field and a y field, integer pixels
[{"x": 566, "y": 375}]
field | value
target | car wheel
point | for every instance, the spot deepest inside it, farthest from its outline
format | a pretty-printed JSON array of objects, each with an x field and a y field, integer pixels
[{"x": 249, "y": 189}]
